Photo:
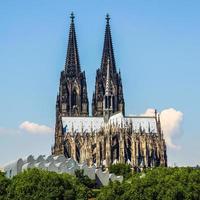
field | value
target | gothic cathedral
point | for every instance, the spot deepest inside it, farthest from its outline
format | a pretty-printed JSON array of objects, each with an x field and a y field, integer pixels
[{"x": 108, "y": 136}]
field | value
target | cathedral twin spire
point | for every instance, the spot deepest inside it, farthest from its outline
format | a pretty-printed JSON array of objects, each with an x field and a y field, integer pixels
[
  {"x": 72, "y": 98},
  {"x": 108, "y": 52},
  {"x": 115, "y": 84},
  {"x": 72, "y": 63}
]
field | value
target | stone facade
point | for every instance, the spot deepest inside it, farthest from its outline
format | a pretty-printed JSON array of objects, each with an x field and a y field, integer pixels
[{"x": 108, "y": 136}]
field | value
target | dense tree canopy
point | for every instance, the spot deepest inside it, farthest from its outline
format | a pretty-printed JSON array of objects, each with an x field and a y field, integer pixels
[
  {"x": 159, "y": 183},
  {"x": 152, "y": 184},
  {"x": 4, "y": 183},
  {"x": 40, "y": 184},
  {"x": 121, "y": 169}
]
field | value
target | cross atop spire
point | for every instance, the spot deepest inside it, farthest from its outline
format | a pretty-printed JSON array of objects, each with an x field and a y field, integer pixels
[
  {"x": 72, "y": 16},
  {"x": 72, "y": 64},
  {"x": 107, "y": 18}
]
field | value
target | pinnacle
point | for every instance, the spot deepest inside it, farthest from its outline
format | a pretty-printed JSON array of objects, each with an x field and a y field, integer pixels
[
  {"x": 72, "y": 16},
  {"x": 107, "y": 18}
]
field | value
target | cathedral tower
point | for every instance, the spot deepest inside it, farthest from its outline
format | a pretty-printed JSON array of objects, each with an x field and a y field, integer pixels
[
  {"x": 114, "y": 79},
  {"x": 72, "y": 99}
]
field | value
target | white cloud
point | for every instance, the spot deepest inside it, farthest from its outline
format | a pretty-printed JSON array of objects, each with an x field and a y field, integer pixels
[
  {"x": 149, "y": 112},
  {"x": 171, "y": 120},
  {"x": 35, "y": 128}
]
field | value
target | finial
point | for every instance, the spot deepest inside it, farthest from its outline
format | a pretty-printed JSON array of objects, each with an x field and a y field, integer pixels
[
  {"x": 107, "y": 18},
  {"x": 72, "y": 16}
]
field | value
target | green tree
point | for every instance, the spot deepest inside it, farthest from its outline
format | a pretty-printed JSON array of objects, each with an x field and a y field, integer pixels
[
  {"x": 4, "y": 183},
  {"x": 121, "y": 169},
  {"x": 40, "y": 184},
  {"x": 156, "y": 184},
  {"x": 113, "y": 191},
  {"x": 87, "y": 182}
]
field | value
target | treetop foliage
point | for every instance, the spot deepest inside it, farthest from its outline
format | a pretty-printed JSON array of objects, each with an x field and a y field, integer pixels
[
  {"x": 35, "y": 184},
  {"x": 156, "y": 184},
  {"x": 151, "y": 184},
  {"x": 121, "y": 169}
]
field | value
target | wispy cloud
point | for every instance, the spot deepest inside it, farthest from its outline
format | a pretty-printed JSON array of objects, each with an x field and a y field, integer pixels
[
  {"x": 34, "y": 128},
  {"x": 171, "y": 121}
]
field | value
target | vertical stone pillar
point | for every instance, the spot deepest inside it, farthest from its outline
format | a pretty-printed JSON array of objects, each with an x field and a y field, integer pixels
[
  {"x": 102, "y": 145},
  {"x": 82, "y": 153},
  {"x": 137, "y": 152},
  {"x": 97, "y": 153},
  {"x": 74, "y": 150},
  {"x": 133, "y": 153},
  {"x": 88, "y": 151},
  {"x": 163, "y": 160},
  {"x": 121, "y": 147},
  {"x": 159, "y": 152},
  {"x": 145, "y": 151},
  {"x": 108, "y": 149},
  {"x": 89, "y": 156}
]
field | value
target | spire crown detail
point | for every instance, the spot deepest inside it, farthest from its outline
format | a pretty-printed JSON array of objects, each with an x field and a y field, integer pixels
[
  {"x": 107, "y": 18},
  {"x": 108, "y": 51},
  {"x": 72, "y": 17},
  {"x": 72, "y": 63}
]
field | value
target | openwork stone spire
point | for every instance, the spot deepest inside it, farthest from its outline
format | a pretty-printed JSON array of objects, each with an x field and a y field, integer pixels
[
  {"x": 105, "y": 76},
  {"x": 72, "y": 100},
  {"x": 72, "y": 63},
  {"x": 108, "y": 52}
]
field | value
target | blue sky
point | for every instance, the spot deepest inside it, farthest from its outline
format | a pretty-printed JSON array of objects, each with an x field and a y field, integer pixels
[{"x": 157, "y": 45}]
